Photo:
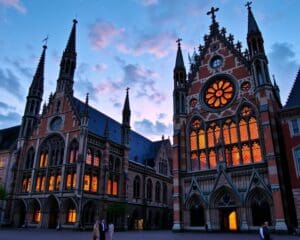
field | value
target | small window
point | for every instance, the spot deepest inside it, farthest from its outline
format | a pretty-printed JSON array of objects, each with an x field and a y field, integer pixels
[
  {"x": 295, "y": 127},
  {"x": 216, "y": 62},
  {"x": 297, "y": 160}
]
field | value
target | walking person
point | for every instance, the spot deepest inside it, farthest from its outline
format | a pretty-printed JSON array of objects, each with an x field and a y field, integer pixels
[
  {"x": 111, "y": 229},
  {"x": 266, "y": 231},
  {"x": 96, "y": 233},
  {"x": 102, "y": 230}
]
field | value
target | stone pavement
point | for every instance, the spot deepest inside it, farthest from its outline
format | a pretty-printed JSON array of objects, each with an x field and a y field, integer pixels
[{"x": 42, "y": 234}]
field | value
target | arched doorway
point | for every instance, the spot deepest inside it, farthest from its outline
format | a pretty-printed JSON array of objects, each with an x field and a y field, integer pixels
[
  {"x": 196, "y": 209},
  {"x": 19, "y": 214},
  {"x": 34, "y": 211},
  {"x": 260, "y": 204},
  {"x": 89, "y": 213},
  {"x": 226, "y": 204},
  {"x": 53, "y": 211}
]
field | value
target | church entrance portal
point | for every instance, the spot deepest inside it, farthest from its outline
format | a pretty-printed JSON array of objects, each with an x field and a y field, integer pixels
[{"x": 228, "y": 219}]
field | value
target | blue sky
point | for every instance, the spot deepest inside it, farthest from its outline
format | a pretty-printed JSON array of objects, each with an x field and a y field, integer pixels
[{"x": 130, "y": 43}]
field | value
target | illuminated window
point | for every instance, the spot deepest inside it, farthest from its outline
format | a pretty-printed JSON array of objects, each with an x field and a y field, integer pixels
[
  {"x": 217, "y": 134},
  {"x": 256, "y": 152},
  {"x": 210, "y": 137},
  {"x": 232, "y": 221},
  {"x": 97, "y": 159},
  {"x": 233, "y": 133},
  {"x": 228, "y": 156},
  {"x": 51, "y": 183},
  {"x": 226, "y": 135},
  {"x": 235, "y": 156},
  {"x": 69, "y": 180},
  {"x": 94, "y": 184},
  {"x": 89, "y": 156},
  {"x": 58, "y": 179},
  {"x": 196, "y": 124},
  {"x": 201, "y": 139},
  {"x": 246, "y": 154},
  {"x": 246, "y": 111},
  {"x": 73, "y": 152},
  {"x": 212, "y": 159},
  {"x": 37, "y": 216},
  {"x": 71, "y": 216},
  {"x": 74, "y": 180},
  {"x": 203, "y": 163},
  {"x": 253, "y": 128},
  {"x": 43, "y": 183},
  {"x": 109, "y": 186},
  {"x": 193, "y": 139},
  {"x": 219, "y": 93},
  {"x": 115, "y": 188},
  {"x": 24, "y": 184},
  {"x": 87, "y": 181},
  {"x": 38, "y": 184},
  {"x": 243, "y": 130}
]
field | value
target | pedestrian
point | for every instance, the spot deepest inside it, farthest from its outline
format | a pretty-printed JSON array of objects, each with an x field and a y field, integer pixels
[
  {"x": 111, "y": 229},
  {"x": 102, "y": 230},
  {"x": 266, "y": 231},
  {"x": 261, "y": 232},
  {"x": 96, "y": 234}
]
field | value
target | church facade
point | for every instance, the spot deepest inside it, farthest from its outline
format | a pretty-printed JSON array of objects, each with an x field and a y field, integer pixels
[
  {"x": 228, "y": 167},
  {"x": 72, "y": 164}
]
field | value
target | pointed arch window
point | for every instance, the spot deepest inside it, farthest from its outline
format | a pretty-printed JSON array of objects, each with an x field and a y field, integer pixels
[
  {"x": 89, "y": 156},
  {"x": 73, "y": 152},
  {"x": 253, "y": 128},
  {"x": 226, "y": 134},
  {"x": 212, "y": 159},
  {"x": 94, "y": 184},
  {"x": 246, "y": 154},
  {"x": 195, "y": 163},
  {"x": 136, "y": 187},
  {"x": 87, "y": 182},
  {"x": 203, "y": 160},
  {"x": 235, "y": 155},
  {"x": 243, "y": 130},
  {"x": 193, "y": 140},
  {"x": 210, "y": 137},
  {"x": 201, "y": 139},
  {"x": 256, "y": 152},
  {"x": 233, "y": 133},
  {"x": 29, "y": 159}
]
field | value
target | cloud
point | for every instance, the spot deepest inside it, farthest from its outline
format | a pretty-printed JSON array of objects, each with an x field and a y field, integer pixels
[
  {"x": 99, "y": 67},
  {"x": 149, "y": 2},
  {"x": 4, "y": 106},
  {"x": 10, "y": 119},
  {"x": 101, "y": 34},
  {"x": 161, "y": 115},
  {"x": 10, "y": 83},
  {"x": 147, "y": 127},
  {"x": 16, "y": 4},
  {"x": 284, "y": 65},
  {"x": 157, "y": 45}
]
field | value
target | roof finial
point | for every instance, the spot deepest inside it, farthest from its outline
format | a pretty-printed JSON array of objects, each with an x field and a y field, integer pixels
[
  {"x": 45, "y": 41},
  {"x": 248, "y": 5},
  {"x": 212, "y": 13},
  {"x": 178, "y": 41},
  {"x": 127, "y": 89}
]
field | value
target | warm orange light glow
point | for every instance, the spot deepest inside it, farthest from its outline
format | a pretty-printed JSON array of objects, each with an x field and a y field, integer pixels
[
  {"x": 233, "y": 133},
  {"x": 94, "y": 183},
  {"x": 37, "y": 216},
  {"x": 71, "y": 216},
  {"x": 210, "y": 137},
  {"x": 42, "y": 157},
  {"x": 203, "y": 164},
  {"x": 193, "y": 140},
  {"x": 212, "y": 159},
  {"x": 24, "y": 184},
  {"x": 58, "y": 179},
  {"x": 194, "y": 160},
  {"x": 232, "y": 221},
  {"x": 246, "y": 111},
  {"x": 235, "y": 156},
  {"x": 109, "y": 186},
  {"x": 219, "y": 93},
  {"x": 226, "y": 135},
  {"x": 253, "y": 128},
  {"x": 43, "y": 183},
  {"x": 217, "y": 134},
  {"x": 38, "y": 184},
  {"x": 88, "y": 159},
  {"x": 74, "y": 180},
  {"x": 256, "y": 152},
  {"x": 246, "y": 154},
  {"x": 115, "y": 188},
  {"x": 201, "y": 139},
  {"x": 243, "y": 130},
  {"x": 87, "y": 181},
  {"x": 227, "y": 156},
  {"x": 28, "y": 184},
  {"x": 51, "y": 183},
  {"x": 196, "y": 124},
  {"x": 96, "y": 160}
]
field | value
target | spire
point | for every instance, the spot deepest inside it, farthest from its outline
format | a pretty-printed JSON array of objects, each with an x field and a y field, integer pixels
[
  {"x": 126, "y": 110},
  {"x": 86, "y": 105},
  {"x": 293, "y": 99},
  {"x": 68, "y": 64},
  {"x": 252, "y": 25},
  {"x": 179, "y": 59},
  {"x": 37, "y": 85}
]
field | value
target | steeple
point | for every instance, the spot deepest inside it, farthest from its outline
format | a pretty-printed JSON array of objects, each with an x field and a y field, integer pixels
[
  {"x": 34, "y": 98},
  {"x": 293, "y": 100},
  {"x": 257, "y": 56},
  {"x": 179, "y": 64},
  {"x": 126, "y": 110},
  {"x": 68, "y": 64},
  {"x": 125, "y": 128}
]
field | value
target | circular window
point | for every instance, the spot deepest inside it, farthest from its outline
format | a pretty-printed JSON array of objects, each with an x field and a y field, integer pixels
[
  {"x": 219, "y": 92},
  {"x": 56, "y": 123},
  {"x": 216, "y": 62}
]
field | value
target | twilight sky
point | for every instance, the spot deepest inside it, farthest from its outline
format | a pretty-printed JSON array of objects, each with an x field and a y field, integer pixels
[{"x": 131, "y": 43}]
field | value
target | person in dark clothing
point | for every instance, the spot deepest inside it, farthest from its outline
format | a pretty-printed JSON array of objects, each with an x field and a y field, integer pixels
[
  {"x": 266, "y": 231},
  {"x": 102, "y": 230}
]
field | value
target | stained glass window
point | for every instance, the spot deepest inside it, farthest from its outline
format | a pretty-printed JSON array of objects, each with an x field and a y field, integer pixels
[
  {"x": 89, "y": 157},
  {"x": 210, "y": 136},
  {"x": 194, "y": 160},
  {"x": 37, "y": 216},
  {"x": 233, "y": 133},
  {"x": 109, "y": 186},
  {"x": 217, "y": 134},
  {"x": 212, "y": 159},
  {"x": 51, "y": 183},
  {"x": 235, "y": 156},
  {"x": 201, "y": 139},
  {"x": 253, "y": 128},
  {"x": 58, "y": 179},
  {"x": 226, "y": 135},
  {"x": 203, "y": 163},
  {"x": 94, "y": 183},
  {"x": 256, "y": 152},
  {"x": 43, "y": 183},
  {"x": 246, "y": 154},
  {"x": 219, "y": 93},
  {"x": 87, "y": 181},
  {"x": 71, "y": 216},
  {"x": 193, "y": 140},
  {"x": 243, "y": 130}
]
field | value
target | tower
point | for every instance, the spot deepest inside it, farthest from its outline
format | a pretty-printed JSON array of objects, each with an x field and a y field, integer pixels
[
  {"x": 126, "y": 121},
  {"x": 34, "y": 99},
  {"x": 67, "y": 65}
]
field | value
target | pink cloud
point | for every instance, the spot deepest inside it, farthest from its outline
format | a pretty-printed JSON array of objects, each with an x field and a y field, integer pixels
[
  {"x": 149, "y": 2},
  {"x": 102, "y": 34},
  {"x": 106, "y": 87},
  {"x": 14, "y": 4}
]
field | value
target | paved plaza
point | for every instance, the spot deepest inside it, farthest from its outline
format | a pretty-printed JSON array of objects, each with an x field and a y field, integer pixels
[{"x": 34, "y": 234}]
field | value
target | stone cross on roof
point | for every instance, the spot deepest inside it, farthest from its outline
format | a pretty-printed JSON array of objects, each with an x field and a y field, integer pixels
[{"x": 212, "y": 13}]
